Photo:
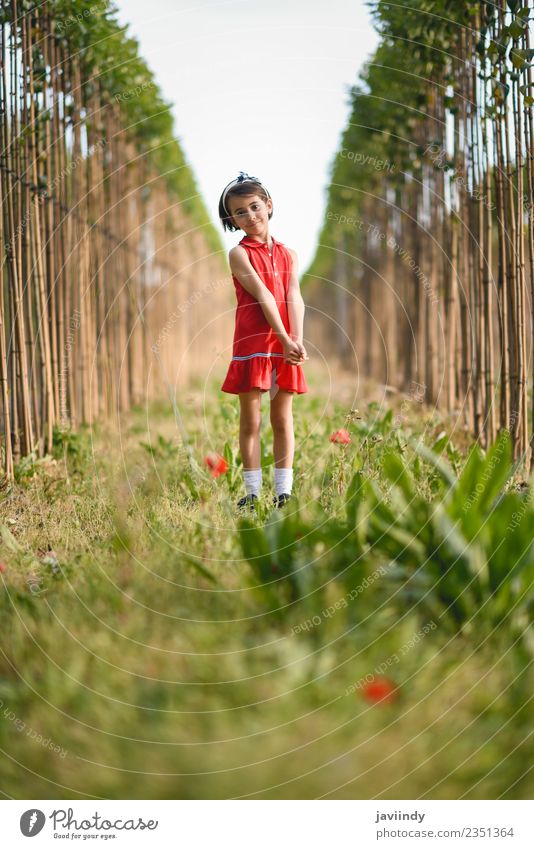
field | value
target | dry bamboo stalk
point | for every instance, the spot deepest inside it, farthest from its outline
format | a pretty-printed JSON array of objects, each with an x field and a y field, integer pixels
[
  {"x": 487, "y": 280},
  {"x": 505, "y": 407},
  {"x": 529, "y": 146},
  {"x": 14, "y": 205},
  {"x": 4, "y": 365},
  {"x": 38, "y": 273},
  {"x": 520, "y": 275}
]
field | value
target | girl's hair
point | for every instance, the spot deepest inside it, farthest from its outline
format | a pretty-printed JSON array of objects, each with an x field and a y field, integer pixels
[{"x": 245, "y": 186}]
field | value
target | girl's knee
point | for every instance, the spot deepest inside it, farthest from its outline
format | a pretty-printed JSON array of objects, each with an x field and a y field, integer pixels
[
  {"x": 281, "y": 422},
  {"x": 250, "y": 423}
]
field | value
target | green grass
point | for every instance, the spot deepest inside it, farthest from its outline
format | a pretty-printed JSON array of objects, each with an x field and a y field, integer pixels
[{"x": 160, "y": 641}]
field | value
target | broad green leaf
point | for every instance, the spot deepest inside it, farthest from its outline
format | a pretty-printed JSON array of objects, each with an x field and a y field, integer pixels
[
  {"x": 483, "y": 478},
  {"x": 396, "y": 472},
  {"x": 256, "y": 549},
  {"x": 396, "y": 542},
  {"x": 465, "y": 489},
  {"x": 440, "y": 443},
  {"x": 354, "y": 496},
  {"x": 197, "y": 564},
  {"x": 439, "y": 465}
]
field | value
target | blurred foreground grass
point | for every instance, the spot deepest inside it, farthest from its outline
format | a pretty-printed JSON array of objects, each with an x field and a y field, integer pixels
[{"x": 144, "y": 657}]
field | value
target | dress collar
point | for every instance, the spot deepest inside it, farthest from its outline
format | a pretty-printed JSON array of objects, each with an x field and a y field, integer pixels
[{"x": 253, "y": 243}]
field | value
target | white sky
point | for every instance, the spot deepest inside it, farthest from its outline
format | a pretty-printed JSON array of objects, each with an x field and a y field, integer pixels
[{"x": 258, "y": 86}]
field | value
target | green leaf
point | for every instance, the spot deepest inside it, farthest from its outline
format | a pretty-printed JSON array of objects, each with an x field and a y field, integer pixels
[
  {"x": 396, "y": 542},
  {"x": 517, "y": 28},
  {"x": 188, "y": 479},
  {"x": 199, "y": 566},
  {"x": 465, "y": 489},
  {"x": 385, "y": 424},
  {"x": 10, "y": 541},
  {"x": 228, "y": 454},
  {"x": 396, "y": 472},
  {"x": 256, "y": 549},
  {"x": 498, "y": 468},
  {"x": 440, "y": 443},
  {"x": 439, "y": 465},
  {"x": 520, "y": 57},
  {"x": 466, "y": 557},
  {"x": 354, "y": 497}
]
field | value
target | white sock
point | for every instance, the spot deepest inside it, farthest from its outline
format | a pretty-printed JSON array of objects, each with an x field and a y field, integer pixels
[
  {"x": 252, "y": 479},
  {"x": 283, "y": 481}
]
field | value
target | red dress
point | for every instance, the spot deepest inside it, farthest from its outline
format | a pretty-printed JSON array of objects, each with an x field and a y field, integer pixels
[{"x": 256, "y": 348}]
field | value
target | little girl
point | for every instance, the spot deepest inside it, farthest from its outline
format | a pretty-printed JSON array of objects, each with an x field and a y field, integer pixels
[{"x": 267, "y": 347}]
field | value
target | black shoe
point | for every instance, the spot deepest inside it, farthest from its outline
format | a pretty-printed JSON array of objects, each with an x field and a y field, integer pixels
[
  {"x": 246, "y": 501},
  {"x": 281, "y": 500}
]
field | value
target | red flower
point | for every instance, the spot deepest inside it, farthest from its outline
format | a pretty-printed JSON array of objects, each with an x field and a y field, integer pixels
[
  {"x": 216, "y": 464},
  {"x": 3, "y": 567},
  {"x": 380, "y": 689},
  {"x": 341, "y": 435}
]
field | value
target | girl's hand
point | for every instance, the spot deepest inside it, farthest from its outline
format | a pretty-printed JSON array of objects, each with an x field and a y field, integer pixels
[
  {"x": 294, "y": 352},
  {"x": 303, "y": 354}
]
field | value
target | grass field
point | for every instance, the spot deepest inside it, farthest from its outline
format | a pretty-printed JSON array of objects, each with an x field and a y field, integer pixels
[{"x": 157, "y": 645}]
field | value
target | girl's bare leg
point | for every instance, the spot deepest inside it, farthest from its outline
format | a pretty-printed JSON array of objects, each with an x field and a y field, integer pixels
[
  {"x": 282, "y": 424},
  {"x": 249, "y": 428}
]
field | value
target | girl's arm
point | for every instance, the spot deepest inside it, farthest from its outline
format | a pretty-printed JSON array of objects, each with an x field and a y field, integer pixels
[
  {"x": 241, "y": 266},
  {"x": 295, "y": 304}
]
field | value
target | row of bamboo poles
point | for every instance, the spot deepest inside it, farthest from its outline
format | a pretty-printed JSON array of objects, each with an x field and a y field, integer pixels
[
  {"x": 435, "y": 272},
  {"x": 99, "y": 261}
]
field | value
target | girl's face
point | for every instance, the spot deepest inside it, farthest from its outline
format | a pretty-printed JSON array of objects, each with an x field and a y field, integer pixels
[{"x": 250, "y": 213}]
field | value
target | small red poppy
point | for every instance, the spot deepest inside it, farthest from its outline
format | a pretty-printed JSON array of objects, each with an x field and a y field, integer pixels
[
  {"x": 216, "y": 464},
  {"x": 380, "y": 689},
  {"x": 341, "y": 436},
  {"x": 3, "y": 567}
]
